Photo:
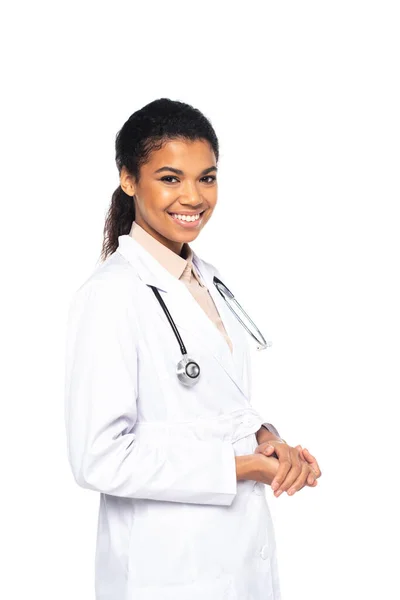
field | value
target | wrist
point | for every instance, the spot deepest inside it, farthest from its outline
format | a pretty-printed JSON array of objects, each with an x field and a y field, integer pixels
[
  {"x": 247, "y": 466},
  {"x": 264, "y": 435}
]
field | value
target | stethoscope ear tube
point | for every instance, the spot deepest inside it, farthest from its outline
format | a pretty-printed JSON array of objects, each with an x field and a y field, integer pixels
[
  {"x": 188, "y": 370},
  {"x": 229, "y": 297}
]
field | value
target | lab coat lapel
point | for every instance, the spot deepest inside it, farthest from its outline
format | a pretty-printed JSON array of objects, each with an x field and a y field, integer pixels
[
  {"x": 232, "y": 326},
  {"x": 185, "y": 310}
]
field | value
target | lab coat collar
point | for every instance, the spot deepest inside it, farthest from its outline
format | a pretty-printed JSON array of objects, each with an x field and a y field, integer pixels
[
  {"x": 177, "y": 265},
  {"x": 186, "y": 311}
]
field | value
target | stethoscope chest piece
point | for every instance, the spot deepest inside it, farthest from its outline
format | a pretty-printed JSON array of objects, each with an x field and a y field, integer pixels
[{"x": 188, "y": 371}]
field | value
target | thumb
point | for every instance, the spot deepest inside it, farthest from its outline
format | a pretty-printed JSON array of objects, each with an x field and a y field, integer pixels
[{"x": 268, "y": 449}]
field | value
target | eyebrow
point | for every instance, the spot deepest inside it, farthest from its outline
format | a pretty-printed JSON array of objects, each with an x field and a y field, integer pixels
[{"x": 179, "y": 172}]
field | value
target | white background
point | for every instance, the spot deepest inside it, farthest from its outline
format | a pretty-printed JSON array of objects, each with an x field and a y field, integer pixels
[{"x": 304, "y": 97}]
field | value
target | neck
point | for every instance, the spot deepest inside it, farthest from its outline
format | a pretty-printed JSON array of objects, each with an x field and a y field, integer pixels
[{"x": 174, "y": 246}]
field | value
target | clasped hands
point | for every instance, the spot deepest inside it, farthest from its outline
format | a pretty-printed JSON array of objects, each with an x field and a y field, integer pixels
[{"x": 295, "y": 466}]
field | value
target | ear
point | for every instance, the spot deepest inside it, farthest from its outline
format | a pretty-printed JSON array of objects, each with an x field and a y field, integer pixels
[{"x": 126, "y": 182}]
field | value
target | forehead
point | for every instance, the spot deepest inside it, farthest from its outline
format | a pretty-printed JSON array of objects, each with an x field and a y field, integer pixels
[{"x": 182, "y": 154}]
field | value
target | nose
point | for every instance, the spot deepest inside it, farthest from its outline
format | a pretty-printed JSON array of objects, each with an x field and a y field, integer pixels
[{"x": 190, "y": 194}]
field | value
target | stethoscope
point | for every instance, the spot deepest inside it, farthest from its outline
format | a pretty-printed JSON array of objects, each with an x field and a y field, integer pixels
[{"x": 188, "y": 370}]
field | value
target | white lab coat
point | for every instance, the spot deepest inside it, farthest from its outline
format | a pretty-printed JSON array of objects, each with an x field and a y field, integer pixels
[{"x": 174, "y": 523}]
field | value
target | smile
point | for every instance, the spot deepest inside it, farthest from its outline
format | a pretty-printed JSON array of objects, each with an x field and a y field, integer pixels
[{"x": 187, "y": 220}]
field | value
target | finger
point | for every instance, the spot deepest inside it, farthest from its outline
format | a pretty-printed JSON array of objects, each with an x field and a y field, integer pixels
[
  {"x": 262, "y": 449},
  {"x": 313, "y": 475},
  {"x": 302, "y": 455},
  {"x": 311, "y": 478},
  {"x": 300, "y": 449},
  {"x": 285, "y": 478},
  {"x": 268, "y": 449},
  {"x": 292, "y": 476},
  {"x": 300, "y": 482},
  {"x": 312, "y": 461},
  {"x": 285, "y": 464},
  {"x": 310, "y": 457}
]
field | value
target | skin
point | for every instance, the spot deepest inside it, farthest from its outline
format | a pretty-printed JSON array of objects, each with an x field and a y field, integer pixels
[
  {"x": 159, "y": 193},
  {"x": 296, "y": 467},
  {"x": 188, "y": 182}
]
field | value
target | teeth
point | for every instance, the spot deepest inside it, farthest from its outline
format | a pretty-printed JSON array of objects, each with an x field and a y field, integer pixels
[{"x": 186, "y": 217}]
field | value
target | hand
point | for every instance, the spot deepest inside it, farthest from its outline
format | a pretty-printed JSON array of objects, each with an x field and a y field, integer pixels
[
  {"x": 256, "y": 467},
  {"x": 313, "y": 464},
  {"x": 297, "y": 467}
]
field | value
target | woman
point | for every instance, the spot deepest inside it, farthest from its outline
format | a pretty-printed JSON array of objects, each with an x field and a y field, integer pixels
[{"x": 181, "y": 463}]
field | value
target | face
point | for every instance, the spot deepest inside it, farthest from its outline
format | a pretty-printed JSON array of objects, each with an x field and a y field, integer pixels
[{"x": 179, "y": 179}]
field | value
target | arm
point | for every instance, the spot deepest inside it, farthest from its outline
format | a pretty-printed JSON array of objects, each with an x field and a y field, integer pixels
[
  {"x": 256, "y": 467},
  {"x": 266, "y": 433},
  {"x": 101, "y": 394}
]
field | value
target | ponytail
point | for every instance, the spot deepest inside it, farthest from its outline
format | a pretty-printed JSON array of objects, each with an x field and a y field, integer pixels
[{"x": 119, "y": 219}]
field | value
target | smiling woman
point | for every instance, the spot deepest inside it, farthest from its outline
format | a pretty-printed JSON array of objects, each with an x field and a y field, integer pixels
[
  {"x": 186, "y": 198},
  {"x": 181, "y": 475},
  {"x": 168, "y": 175}
]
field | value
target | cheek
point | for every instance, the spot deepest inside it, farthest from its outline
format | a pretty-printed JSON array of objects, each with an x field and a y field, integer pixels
[
  {"x": 158, "y": 196},
  {"x": 212, "y": 203},
  {"x": 206, "y": 218},
  {"x": 156, "y": 202},
  {"x": 163, "y": 197},
  {"x": 212, "y": 197}
]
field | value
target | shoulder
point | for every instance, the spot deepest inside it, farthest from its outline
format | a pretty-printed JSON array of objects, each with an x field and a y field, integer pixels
[
  {"x": 114, "y": 272},
  {"x": 111, "y": 286}
]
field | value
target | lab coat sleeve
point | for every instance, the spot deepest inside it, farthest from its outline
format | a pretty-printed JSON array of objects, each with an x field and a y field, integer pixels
[
  {"x": 101, "y": 394},
  {"x": 271, "y": 428}
]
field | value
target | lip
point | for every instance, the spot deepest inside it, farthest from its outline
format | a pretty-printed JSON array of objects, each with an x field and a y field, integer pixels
[
  {"x": 188, "y": 224},
  {"x": 187, "y": 212}
]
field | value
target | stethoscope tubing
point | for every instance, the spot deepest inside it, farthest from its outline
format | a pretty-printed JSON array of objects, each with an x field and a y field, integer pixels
[
  {"x": 218, "y": 282},
  {"x": 188, "y": 370},
  {"x": 170, "y": 319}
]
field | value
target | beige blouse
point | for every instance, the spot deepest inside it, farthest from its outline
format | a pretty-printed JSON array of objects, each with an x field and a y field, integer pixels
[{"x": 182, "y": 268}]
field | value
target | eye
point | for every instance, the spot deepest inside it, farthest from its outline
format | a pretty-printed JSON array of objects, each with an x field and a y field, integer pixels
[{"x": 168, "y": 177}]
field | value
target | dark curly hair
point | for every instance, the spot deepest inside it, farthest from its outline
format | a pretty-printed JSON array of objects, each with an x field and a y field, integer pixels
[{"x": 146, "y": 130}]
